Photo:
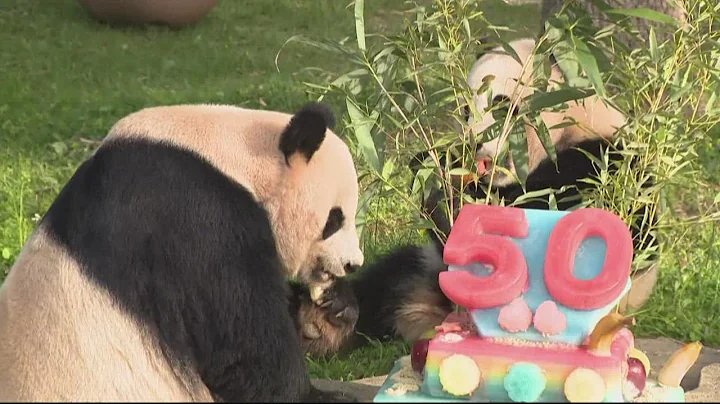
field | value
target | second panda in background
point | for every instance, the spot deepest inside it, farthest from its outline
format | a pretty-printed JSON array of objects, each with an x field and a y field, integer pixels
[{"x": 398, "y": 295}]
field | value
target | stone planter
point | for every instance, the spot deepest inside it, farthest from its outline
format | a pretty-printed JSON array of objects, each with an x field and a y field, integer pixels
[
  {"x": 643, "y": 284},
  {"x": 173, "y": 13}
]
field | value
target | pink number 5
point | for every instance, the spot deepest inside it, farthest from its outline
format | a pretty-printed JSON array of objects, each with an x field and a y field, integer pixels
[{"x": 480, "y": 235}]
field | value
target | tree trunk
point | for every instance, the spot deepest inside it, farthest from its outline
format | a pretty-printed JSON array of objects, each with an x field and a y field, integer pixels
[{"x": 668, "y": 7}]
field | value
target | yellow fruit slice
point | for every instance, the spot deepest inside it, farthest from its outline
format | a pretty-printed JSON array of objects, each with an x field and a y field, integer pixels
[
  {"x": 640, "y": 355},
  {"x": 584, "y": 386},
  {"x": 679, "y": 363},
  {"x": 459, "y": 375},
  {"x": 602, "y": 335}
]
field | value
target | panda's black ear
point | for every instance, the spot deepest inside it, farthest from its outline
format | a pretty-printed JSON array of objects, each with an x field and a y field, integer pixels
[
  {"x": 416, "y": 162},
  {"x": 306, "y": 131},
  {"x": 487, "y": 43}
]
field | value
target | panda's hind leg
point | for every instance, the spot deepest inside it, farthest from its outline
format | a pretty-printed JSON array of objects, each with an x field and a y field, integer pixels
[
  {"x": 399, "y": 295},
  {"x": 423, "y": 308}
]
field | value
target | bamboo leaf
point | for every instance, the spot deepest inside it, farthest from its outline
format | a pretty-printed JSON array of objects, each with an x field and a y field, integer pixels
[
  {"x": 460, "y": 171},
  {"x": 568, "y": 63},
  {"x": 511, "y": 52},
  {"x": 363, "y": 206},
  {"x": 564, "y": 52},
  {"x": 388, "y": 168},
  {"x": 644, "y": 13},
  {"x": 362, "y": 125},
  {"x": 653, "y": 44},
  {"x": 566, "y": 123},
  {"x": 518, "y": 150},
  {"x": 539, "y": 101},
  {"x": 353, "y": 75},
  {"x": 383, "y": 53},
  {"x": 679, "y": 93},
  {"x": 466, "y": 27},
  {"x": 420, "y": 182},
  {"x": 525, "y": 197},
  {"x": 545, "y": 139},
  {"x": 589, "y": 64},
  {"x": 541, "y": 69},
  {"x": 360, "y": 24},
  {"x": 422, "y": 224},
  {"x": 711, "y": 101}
]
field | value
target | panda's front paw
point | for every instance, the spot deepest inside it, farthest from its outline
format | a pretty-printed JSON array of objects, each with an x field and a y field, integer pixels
[
  {"x": 340, "y": 304},
  {"x": 327, "y": 326}
]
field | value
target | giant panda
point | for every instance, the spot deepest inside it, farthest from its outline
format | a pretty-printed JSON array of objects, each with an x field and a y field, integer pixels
[
  {"x": 399, "y": 295},
  {"x": 159, "y": 273}
]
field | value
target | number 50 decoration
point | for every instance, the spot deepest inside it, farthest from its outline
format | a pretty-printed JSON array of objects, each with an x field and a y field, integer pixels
[{"x": 482, "y": 235}]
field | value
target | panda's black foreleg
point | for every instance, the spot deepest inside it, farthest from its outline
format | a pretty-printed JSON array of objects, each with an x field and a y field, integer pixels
[
  {"x": 265, "y": 363},
  {"x": 271, "y": 368}
]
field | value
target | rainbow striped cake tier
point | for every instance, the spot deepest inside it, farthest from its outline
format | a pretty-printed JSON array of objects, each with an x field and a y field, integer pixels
[
  {"x": 403, "y": 385},
  {"x": 513, "y": 367}
]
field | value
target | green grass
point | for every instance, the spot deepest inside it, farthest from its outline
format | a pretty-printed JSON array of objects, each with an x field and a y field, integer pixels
[
  {"x": 66, "y": 79},
  {"x": 685, "y": 303}
]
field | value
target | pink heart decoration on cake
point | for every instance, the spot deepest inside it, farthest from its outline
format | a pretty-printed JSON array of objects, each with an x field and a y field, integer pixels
[
  {"x": 549, "y": 320},
  {"x": 516, "y": 316}
]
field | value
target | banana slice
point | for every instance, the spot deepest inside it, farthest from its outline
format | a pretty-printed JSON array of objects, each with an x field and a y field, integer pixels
[
  {"x": 640, "y": 355},
  {"x": 602, "y": 335},
  {"x": 679, "y": 364}
]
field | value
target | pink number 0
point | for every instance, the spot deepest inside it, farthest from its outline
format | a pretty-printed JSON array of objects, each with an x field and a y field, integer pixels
[
  {"x": 564, "y": 242},
  {"x": 480, "y": 235}
]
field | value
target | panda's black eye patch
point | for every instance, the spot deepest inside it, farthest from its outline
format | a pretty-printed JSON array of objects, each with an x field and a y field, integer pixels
[
  {"x": 501, "y": 106},
  {"x": 466, "y": 113},
  {"x": 500, "y": 99},
  {"x": 335, "y": 222}
]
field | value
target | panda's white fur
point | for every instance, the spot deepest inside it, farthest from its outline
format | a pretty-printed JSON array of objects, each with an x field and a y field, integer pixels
[
  {"x": 67, "y": 340},
  {"x": 159, "y": 272},
  {"x": 243, "y": 143},
  {"x": 398, "y": 295}
]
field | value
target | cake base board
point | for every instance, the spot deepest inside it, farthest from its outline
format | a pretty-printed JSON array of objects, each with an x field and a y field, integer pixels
[{"x": 409, "y": 396}]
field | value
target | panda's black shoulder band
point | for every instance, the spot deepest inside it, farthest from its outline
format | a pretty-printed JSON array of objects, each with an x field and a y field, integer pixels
[{"x": 306, "y": 130}]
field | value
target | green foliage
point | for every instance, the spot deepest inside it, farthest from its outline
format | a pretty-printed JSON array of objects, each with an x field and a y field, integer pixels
[
  {"x": 404, "y": 93},
  {"x": 67, "y": 79}
]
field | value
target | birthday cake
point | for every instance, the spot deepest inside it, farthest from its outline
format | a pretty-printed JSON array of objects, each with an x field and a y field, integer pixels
[{"x": 536, "y": 292}]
